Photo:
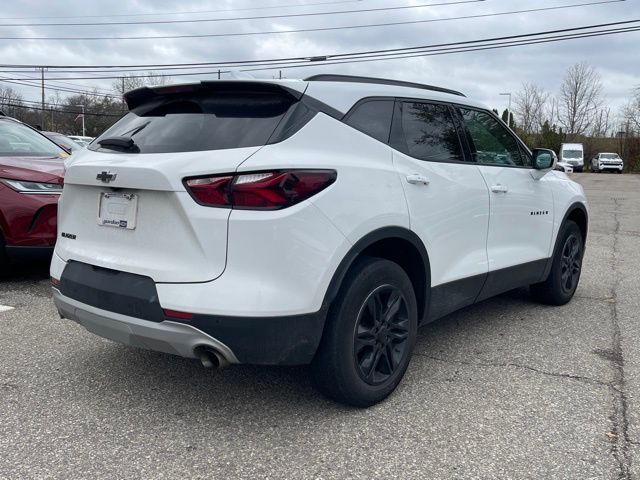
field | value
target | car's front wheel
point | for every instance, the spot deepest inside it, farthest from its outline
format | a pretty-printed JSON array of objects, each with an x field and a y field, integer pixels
[
  {"x": 369, "y": 335},
  {"x": 564, "y": 276}
]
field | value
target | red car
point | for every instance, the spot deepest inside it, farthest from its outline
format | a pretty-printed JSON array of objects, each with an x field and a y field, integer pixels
[{"x": 31, "y": 178}]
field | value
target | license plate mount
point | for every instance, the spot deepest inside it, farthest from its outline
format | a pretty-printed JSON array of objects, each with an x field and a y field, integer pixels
[{"x": 118, "y": 210}]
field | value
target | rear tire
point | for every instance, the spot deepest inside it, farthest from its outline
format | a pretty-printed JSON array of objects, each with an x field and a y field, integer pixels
[
  {"x": 561, "y": 284},
  {"x": 369, "y": 335}
]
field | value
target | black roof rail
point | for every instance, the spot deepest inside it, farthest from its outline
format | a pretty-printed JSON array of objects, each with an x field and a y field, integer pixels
[{"x": 328, "y": 77}]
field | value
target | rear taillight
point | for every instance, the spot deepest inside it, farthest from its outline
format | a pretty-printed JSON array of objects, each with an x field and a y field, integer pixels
[{"x": 259, "y": 190}]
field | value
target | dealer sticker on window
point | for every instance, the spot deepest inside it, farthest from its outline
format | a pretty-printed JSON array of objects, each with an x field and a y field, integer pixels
[{"x": 118, "y": 210}]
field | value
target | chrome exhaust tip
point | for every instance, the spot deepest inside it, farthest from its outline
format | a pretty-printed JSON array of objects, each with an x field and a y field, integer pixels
[{"x": 211, "y": 358}]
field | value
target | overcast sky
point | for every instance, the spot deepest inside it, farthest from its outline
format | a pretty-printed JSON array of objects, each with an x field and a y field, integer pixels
[{"x": 482, "y": 75}]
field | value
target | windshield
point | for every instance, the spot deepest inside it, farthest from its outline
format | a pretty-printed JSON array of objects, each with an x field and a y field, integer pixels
[
  {"x": 572, "y": 154},
  {"x": 17, "y": 140},
  {"x": 609, "y": 155},
  {"x": 201, "y": 122}
]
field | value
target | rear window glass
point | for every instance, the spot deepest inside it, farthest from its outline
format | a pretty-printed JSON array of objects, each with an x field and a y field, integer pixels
[
  {"x": 201, "y": 122},
  {"x": 17, "y": 140}
]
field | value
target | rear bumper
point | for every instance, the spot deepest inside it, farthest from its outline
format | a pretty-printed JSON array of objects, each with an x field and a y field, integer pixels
[
  {"x": 168, "y": 337},
  {"x": 125, "y": 308}
]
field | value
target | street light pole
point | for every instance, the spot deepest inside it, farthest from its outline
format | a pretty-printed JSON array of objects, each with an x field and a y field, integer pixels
[
  {"x": 508, "y": 109},
  {"x": 82, "y": 106}
]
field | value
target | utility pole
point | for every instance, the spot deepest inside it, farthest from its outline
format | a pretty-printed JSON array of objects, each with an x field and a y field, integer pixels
[
  {"x": 42, "y": 112},
  {"x": 123, "y": 109}
]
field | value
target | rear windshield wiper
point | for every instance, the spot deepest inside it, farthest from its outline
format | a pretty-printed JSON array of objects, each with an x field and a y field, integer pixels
[{"x": 119, "y": 143}]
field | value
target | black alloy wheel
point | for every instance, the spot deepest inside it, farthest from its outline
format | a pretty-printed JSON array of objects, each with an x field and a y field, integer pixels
[
  {"x": 571, "y": 263},
  {"x": 381, "y": 335}
]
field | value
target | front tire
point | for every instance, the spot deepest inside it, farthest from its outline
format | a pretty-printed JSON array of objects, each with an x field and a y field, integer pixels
[
  {"x": 369, "y": 336},
  {"x": 4, "y": 260},
  {"x": 561, "y": 284}
]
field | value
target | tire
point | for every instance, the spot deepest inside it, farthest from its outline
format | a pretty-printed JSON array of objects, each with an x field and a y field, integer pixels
[
  {"x": 4, "y": 260},
  {"x": 362, "y": 358},
  {"x": 563, "y": 279}
]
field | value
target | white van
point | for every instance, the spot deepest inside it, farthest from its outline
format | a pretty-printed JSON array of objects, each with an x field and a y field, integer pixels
[{"x": 573, "y": 154}]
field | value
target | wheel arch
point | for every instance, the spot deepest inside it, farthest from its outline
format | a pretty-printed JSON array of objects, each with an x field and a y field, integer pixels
[
  {"x": 396, "y": 244},
  {"x": 577, "y": 212}
]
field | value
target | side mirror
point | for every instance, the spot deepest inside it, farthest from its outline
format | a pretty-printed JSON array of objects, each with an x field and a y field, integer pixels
[{"x": 543, "y": 159}]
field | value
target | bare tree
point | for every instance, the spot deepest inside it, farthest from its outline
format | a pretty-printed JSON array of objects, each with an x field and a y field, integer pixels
[
  {"x": 10, "y": 102},
  {"x": 601, "y": 122},
  {"x": 580, "y": 99},
  {"x": 631, "y": 112},
  {"x": 530, "y": 105}
]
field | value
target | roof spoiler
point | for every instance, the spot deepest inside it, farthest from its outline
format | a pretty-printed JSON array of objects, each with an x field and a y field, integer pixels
[{"x": 144, "y": 95}]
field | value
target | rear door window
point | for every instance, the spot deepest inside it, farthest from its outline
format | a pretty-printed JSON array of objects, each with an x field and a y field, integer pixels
[
  {"x": 373, "y": 117},
  {"x": 202, "y": 122},
  {"x": 429, "y": 132}
]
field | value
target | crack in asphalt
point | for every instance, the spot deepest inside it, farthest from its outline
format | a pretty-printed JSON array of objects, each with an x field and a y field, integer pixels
[
  {"x": 569, "y": 376},
  {"x": 620, "y": 417}
]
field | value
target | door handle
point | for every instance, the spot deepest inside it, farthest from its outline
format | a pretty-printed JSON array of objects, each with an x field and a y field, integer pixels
[
  {"x": 499, "y": 188},
  {"x": 416, "y": 179}
]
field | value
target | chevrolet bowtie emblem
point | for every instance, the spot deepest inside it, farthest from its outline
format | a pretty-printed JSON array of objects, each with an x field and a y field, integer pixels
[{"x": 106, "y": 177}]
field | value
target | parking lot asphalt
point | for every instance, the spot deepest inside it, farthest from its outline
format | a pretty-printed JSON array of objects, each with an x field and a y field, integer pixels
[{"x": 504, "y": 389}]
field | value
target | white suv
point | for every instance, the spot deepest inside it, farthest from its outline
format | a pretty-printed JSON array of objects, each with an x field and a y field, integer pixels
[
  {"x": 318, "y": 221},
  {"x": 604, "y": 162}
]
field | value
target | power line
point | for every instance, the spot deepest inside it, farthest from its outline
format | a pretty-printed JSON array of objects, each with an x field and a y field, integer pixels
[
  {"x": 193, "y": 12},
  {"x": 165, "y": 66},
  {"x": 429, "y": 50},
  {"x": 453, "y": 50},
  {"x": 324, "y": 29},
  {"x": 66, "y": 90},
  {"x": 281, "y": 62},
  {"x": 60, "y": 82},
  {"x": 256, "y": 17},
  {"x": 57, "y": 110}
]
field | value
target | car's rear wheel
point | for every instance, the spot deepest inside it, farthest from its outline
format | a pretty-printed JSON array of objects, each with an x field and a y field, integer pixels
[
  {"x": 369, "y": 335},
  {"x": 564, "y": 276}
]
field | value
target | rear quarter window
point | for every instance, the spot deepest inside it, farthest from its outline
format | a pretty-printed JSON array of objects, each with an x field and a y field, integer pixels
[{"x": 372, "y": 117}]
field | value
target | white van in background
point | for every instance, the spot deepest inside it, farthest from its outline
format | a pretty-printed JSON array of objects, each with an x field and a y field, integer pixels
[{"x": 573, "y": 154}]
